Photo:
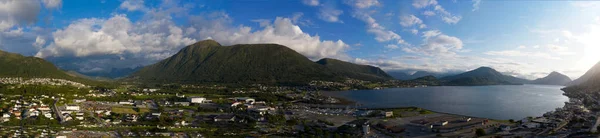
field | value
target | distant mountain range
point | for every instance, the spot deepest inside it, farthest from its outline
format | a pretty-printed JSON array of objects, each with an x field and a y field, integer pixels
[
  {"x": 209, "y": 62},
  {"x": 403, "y": 75}
]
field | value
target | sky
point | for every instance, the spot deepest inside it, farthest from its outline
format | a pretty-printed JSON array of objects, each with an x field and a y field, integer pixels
[{"x": 527, "y": 39}]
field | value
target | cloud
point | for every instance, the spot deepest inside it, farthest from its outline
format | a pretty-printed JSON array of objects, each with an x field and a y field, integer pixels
[
  {"x": 476, "y": 4},
  {"x": 115, "y": 36},
  {"x": 428, "y": 13},
  {"x": 330, "y": 14},
  {"x": 516, "y": 53},
  {"x": 435, "y": 43},
  {"x": 39, "y": 42},
  {"x": 18, "y": 12},
  {"x": 133, "y": 5},
  {"x": 410, "y": 20},
  {"x": 311, "y": 2},
  {"x": 50, "y": 4},
  {"x": 280, "y": 31},
  {"x": 362, "y": 4},
  {"x": 381, "y": 33},
  {"x": 423, "y": 3},
  {"x": 445, "y": 15},
  {"x": 391, "y": 47}
]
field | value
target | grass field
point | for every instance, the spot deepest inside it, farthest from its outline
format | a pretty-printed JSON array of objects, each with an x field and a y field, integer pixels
[{"x": 129, "y": 110}]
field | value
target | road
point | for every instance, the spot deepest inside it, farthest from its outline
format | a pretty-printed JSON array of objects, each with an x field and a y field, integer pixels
[
  {"x": 595, "y": 127},
  {"x": 57, "y": 111}
]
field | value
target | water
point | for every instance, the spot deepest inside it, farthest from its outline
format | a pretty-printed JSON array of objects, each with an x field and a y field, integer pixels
[{"x": 495, "y": 102}]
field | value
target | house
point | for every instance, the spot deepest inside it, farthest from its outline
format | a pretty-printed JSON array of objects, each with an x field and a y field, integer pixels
[
  {"x": 79, "y": 100},
  {"x": 224, "y": 118},
  {"x": 126, "y": 102},
  {"x": 389, "y": 114},
  {"x": 245, "y": 99},
  {"x": 182, "y": 103},
  {"x": 72, "y": 108},
  {"x": 504, "y": 128},
  {"x": 196, "y": 99}
]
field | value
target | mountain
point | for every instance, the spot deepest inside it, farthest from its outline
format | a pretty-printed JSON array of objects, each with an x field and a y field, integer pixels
[
  {"x": 592, "y": 73},
  {"x": 16, "y": 65},
  {"x": 355, "y": 71},
  {"x": 553, "y": 78},
  {"x": 113, "y": 73},
  {"x": 426, "y": 80},
  {"x": 590, "y": 81},
  {"x": 209, "y": 62},
  {"x": 482, "y": 76},
  {"x": 402, "y": 75}
]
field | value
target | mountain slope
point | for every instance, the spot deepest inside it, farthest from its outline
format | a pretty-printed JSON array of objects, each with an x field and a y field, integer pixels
[
  {"x": 592, "y": 73},
  {"x": 355, "y": 71},
  {"x": 209, "y": 62},
  {"x": 553, "y": 78},
  {"x": 590, "y": 81},
  {"x": 16, "y": 65},
  {"x": 482, "y": 76}
]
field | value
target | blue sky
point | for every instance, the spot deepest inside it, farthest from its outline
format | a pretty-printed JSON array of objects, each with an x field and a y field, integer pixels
[{"x": 522, "y": 38}]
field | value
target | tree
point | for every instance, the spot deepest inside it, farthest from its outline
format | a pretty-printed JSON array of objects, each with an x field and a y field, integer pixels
[{"x": 480, "y": 132}]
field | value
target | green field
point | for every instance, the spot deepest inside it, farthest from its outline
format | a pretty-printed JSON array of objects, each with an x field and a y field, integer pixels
[{"x": 129, "y": 110}]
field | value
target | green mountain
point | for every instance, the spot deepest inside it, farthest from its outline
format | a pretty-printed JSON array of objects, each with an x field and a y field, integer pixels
[
  {"x": 16, "y": 65},
  {"x": 209, "y": 62},
  {"x": 355, "y": 71},
  {"x": 482, "y": 76},
  {"x": 553, "y": 78}
]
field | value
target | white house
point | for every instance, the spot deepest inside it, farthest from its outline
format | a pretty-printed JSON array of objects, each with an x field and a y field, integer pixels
[
  {"x": 79, "y": 100},
  {"x": 196, "y": 99},
  {"x": 72, "y": 107}
]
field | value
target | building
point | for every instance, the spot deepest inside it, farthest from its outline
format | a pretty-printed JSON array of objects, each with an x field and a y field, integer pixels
[
  {"x": 224, "y": 118},
  {"x": 389, "y": 114},
  {"x": 365, "y": 129},
  {"x": 182, "y": 103},
  {"x": 79, "y": 100},
  {"x": 72, "y": 108},
  {"x": 196, "y": 99}
]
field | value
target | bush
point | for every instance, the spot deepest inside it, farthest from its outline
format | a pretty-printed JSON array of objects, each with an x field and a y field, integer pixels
[{"x": 480, "y": 132}]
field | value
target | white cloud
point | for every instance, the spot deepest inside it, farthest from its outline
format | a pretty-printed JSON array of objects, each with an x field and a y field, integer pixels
[
  {"x": 437, "y": 44},
  {"x": 362, "y": 4},
  {"x": 445, "y": 15},
  {"x": 18, "y": 12},
  {"x": 516, "y": 53},
  {"x": 311, "y": 2},
  {"x": 423, "y": 3},
  {"x": 50, "y": 4},
  {"x": 280, "y": 31},
  {"x": 115, "y": 36},
  {"x": 476, "y": 4},
  {"x": 391, "y": 47},
  {"x": 39, "y": 42},
  {"x": 428, "y": 13},
  {"x": 410, "y": 20},
  {"x": 381, "y": 33},
  {"x": 133, "y": 5},
  {"x": 330, "y": 14}
]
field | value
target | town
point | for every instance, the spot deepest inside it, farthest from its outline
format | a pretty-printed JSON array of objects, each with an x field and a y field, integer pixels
[{"x": 58, "y": 108}]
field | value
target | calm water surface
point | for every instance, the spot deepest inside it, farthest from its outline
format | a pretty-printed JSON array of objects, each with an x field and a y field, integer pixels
[{"x": 496, "y": 102}]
